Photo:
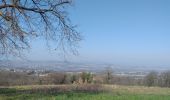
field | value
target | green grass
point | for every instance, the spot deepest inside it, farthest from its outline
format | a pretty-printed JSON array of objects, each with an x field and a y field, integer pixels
[
  {"x": 84, "y": 96},
  {"x": 116, "y": 93}
]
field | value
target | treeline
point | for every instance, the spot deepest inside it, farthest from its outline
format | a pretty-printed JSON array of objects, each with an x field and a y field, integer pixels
[{"x": 8, "y": 78}]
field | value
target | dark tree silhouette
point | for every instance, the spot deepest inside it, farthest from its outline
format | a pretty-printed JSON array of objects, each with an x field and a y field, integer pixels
[
  {"x": 108, "y": 75},
  {"x": 22, "y": 20}
]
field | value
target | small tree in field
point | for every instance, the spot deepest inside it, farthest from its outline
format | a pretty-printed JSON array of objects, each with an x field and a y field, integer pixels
[{"x": 108, "y": 75}]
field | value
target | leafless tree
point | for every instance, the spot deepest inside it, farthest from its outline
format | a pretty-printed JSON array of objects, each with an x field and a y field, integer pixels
[
  {"x": 151, "y": 79},
  {"x": 108, "y": 75},
  {"x": 164, "y": 79},
  {"x": 22, "y": 20}
]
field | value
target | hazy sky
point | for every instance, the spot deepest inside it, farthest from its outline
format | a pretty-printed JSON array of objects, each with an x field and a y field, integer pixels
[{"x": 134, "y": 32}]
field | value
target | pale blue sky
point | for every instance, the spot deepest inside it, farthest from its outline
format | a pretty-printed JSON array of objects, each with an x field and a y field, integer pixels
[{"x": 132, "y": 32}]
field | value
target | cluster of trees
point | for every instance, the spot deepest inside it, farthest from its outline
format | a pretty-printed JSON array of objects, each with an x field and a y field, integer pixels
[
  {"x": 67, "y": 78},
  {"x": 157, "y": 79}
]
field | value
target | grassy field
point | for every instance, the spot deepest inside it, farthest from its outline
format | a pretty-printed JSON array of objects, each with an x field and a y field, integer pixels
[{"x": 115, "y": 93}]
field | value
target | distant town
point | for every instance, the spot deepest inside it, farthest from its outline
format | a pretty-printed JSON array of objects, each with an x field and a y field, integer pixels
[{"x": 43, "y": 68}]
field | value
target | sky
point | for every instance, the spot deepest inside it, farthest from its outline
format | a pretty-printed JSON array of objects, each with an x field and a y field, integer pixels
[{"x": 127, "y": 32}]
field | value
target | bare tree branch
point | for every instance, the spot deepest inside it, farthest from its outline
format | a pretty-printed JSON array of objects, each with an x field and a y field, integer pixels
[{"x": 21, "y": 20}]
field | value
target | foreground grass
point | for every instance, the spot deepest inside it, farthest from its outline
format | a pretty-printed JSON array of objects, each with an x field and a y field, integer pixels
[
  {"x": 116, "y": 93},
  {"x": 84, "y": 96}
]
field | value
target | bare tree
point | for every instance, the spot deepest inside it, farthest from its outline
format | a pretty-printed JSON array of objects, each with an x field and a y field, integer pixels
[
  {"x": 164, "y": 79},
  {"x": 108, "y": 75},
  {"x": 151, "y": 79},
  {"x": 22, "y": 20}
]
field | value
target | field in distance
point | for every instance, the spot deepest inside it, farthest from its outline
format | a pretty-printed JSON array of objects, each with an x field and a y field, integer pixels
[{"x": 84, "y": 92}]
